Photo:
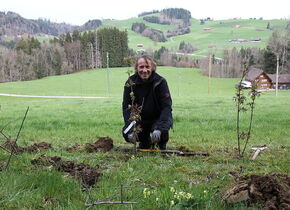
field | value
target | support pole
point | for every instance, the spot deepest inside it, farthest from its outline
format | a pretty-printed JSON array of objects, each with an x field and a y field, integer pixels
[
  {"x": 108, "y": 76},
  {"x": 209, "y": 73},
  {"x": 277, "y": 75}
]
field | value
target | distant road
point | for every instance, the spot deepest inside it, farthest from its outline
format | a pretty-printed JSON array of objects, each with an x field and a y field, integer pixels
[
  {"x": 204, "y": 56},
  {"x": 31, "y": 96}
]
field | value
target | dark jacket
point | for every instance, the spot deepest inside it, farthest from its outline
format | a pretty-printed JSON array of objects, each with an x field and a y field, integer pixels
[{"x": 156, "y": 98}]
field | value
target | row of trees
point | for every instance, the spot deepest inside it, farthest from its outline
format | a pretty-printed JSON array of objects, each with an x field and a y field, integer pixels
[
  {"x": 146, "y": 31},
  {"x": 45, "y": 60},
  {"x": 177, "y": 13},
  {"x": 155, "y": 19},
  {"x": 29, "y": 59}
]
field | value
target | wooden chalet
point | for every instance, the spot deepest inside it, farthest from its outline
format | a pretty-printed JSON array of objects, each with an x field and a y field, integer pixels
[
  {"x": 260, "y": 77},
  {"x": 283, "y": 81}
]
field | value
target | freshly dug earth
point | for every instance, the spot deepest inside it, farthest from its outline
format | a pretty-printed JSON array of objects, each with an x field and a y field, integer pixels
[
  {"x": 103, "y": 144},
  {"x": 271, "y": 191},
  {"x": 89, "y": 175},
  {"x": 12, "y": 145}
]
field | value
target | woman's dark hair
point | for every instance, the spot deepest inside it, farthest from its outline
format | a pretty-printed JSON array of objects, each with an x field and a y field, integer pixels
[{"x": 146, "y": 58}]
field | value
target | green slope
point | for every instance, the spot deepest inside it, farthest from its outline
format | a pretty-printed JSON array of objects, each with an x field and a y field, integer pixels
[
  {"x": 222, "y": 31},
  {"x": 182, "y": 81}
]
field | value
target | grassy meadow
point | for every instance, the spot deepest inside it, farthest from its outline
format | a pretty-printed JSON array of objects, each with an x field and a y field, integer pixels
[
  {"x": 217, "y": 38},
  {"x": 204, "y": 121}
]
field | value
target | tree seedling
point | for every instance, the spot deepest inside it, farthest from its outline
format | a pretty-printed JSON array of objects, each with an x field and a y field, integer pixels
[{"x": 242, "y": 106}]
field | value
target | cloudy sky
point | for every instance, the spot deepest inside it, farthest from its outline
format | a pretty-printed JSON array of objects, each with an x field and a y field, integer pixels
[{"x": 78, "y": 12}]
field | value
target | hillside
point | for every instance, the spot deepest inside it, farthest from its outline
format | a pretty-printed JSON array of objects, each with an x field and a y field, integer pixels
[
  {"x": 212, "y": 35},
  {"x": 12, "y": 24}
]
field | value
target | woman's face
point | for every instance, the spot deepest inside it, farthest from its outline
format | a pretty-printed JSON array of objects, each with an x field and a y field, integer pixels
[{"x": 144, "y": 68}]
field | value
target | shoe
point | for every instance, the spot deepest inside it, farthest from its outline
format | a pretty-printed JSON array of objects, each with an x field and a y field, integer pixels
[{"x": 144, "y": 146}]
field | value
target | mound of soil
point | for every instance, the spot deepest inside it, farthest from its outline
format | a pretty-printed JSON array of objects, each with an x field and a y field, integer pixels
[
  {"x": 271, "y": 191},
  {"x": 74, "y": 147},
  {"x": 103, "y": 144},
  {"x": 12, "y": 145},
  {"x": 88, "y": 174}
]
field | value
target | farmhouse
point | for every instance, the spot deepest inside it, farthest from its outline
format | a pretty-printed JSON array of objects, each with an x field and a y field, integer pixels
[
  {"x": 260, "y": 77},
  {"x": 266, "y": 81},
  {"x": 283, "y": 81},
  {"x": 255, "y": 40},
  {"x": 245, "y": 40}
]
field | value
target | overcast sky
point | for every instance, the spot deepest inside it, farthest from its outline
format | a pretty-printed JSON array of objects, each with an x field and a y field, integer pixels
[{"x": 78, "y": 12}]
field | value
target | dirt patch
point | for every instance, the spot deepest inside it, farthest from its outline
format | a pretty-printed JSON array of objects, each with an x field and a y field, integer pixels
[
  {"x": 103, "y": 144},
  {"x": 183, "y": 148},
  {"x": 89, "y": 175},
  {"x": 74, "y": 147},
  {"x": 12, "y": 145},
  {"x": 271, "y": 191}
]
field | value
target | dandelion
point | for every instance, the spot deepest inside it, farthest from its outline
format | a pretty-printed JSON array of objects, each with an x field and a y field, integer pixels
[
  {"x": 188, "y": 196},
  {"x": 177, "y": 196},
  {"x": 145, "y": 192}
]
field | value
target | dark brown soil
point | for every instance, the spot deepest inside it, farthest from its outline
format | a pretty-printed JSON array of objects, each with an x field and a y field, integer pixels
[
  {"x": 183, "y": 149},
  {"x": 271, "y": 191},
  {"x": 11, "y": 145},
  {"x": 74, "y": 147},
  {"x": 88, "y": 174},
  {"x": 103, "y": 144}
]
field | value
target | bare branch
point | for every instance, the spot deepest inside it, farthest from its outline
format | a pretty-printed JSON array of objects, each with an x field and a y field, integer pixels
[{"x": 12, "y": 150}]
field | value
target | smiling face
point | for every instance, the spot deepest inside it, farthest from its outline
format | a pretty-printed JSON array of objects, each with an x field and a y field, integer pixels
[{"x": 144, "y": 68}]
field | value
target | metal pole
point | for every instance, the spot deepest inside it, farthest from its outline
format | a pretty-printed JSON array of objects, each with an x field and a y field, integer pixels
[
  {"x": 277, "y": 75},
  {"x": 209, "y": 73},
  {"x": 179, "y": 79},
  {"x": 108, "y": 76}
]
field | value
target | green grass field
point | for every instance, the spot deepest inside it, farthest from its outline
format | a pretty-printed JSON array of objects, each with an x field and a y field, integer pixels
[{"x": 204, "y": 121}]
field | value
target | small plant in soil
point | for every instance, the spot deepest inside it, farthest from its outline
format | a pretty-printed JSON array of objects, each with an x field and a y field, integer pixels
[{"x": 245, "y": 102}]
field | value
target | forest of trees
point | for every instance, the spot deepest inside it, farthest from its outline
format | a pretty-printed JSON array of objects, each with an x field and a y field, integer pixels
[
  {"x": 13, "y": 24},
  {"x": 178, "y": 13},
  {"x": 148, "y": 13},
  {"x": 151, "y": 33},
  {"x": 29, "y": 59},
  {"x": 155, "y": 19}
]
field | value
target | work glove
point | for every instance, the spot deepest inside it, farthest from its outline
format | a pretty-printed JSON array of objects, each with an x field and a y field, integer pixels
[
  {"x": 131, "y": 138},
  {"x": 155, "y": 136}
]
